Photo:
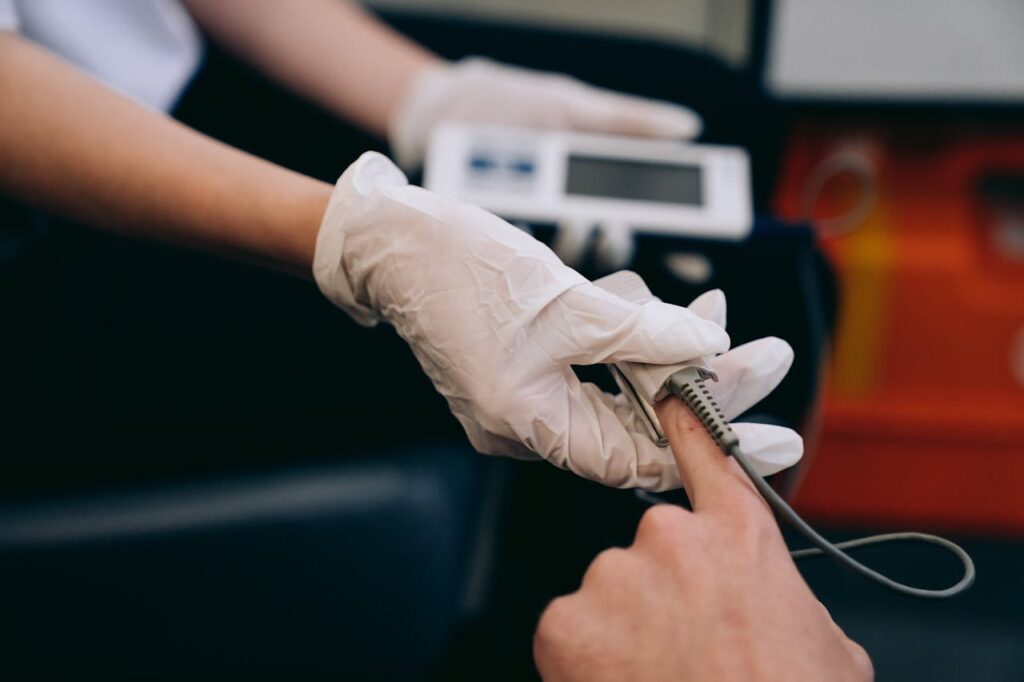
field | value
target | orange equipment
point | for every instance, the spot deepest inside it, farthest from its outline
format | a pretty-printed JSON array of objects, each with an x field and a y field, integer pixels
[{"x": 923, "y": 419}]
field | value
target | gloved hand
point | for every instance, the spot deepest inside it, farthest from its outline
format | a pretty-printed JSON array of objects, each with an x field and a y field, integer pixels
[
  {"x": 481, "y": 91},
  {"x": 746, "y": 375},
  {"x": 495, "y": 320}
]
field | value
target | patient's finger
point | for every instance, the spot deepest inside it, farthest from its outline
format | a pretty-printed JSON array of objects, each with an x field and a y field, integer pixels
[{"x": 711, "y": 478}]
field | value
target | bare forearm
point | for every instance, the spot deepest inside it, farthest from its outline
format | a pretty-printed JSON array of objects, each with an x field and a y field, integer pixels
[
  {"x": 330, "y": 51},
  {"x": 72, "y": 146}
]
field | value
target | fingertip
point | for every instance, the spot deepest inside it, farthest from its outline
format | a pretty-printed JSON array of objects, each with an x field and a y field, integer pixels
[
  {"x": 770, "y": 354},
  {"x": 683, "y": 317},
  {"x": 783, "y": 352},
  {"x": 715, "y": 338},
  {"x": 769, "y": 447},
  {"x": 711, "y": 305},
  {"x": 623, "y": 114},
  {"x": 668, "y": 120}
]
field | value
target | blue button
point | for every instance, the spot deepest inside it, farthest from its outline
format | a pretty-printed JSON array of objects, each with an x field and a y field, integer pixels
[
  {"x": 482, "y": 163},
  {"x": 522, "y": 166}
]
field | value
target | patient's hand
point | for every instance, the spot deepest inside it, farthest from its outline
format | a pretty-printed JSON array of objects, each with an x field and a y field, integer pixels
[{"x": 710, "y": 594}]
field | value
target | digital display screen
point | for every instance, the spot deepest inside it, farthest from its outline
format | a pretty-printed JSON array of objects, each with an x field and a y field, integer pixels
[{"x": 638, "y": 180}]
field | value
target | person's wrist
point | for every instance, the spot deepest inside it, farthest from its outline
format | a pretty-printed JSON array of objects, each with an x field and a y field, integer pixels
[
  {"x": 290, "y": 207},
  {"x": 311, "y": 204}
]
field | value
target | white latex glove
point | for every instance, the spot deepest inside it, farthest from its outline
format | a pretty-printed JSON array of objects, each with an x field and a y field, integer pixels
[
  {"x": 478, "y": 90},
  {"x": 495, "y": 320}
]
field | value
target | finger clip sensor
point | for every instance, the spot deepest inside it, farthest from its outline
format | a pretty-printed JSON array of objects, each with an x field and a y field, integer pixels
[
  {"x": 645, "y": 384},
  {"x": 641, "y": 383}
]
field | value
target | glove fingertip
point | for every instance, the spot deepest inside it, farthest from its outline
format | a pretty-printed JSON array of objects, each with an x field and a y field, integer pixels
[
  {"x": 679, "y": 122},
  {"x": 784, "y": 352},
  {"x": 703, "y": 337},
  {"x": 769, "y": 447},
  {"x": 711, "y": 305},
  {"x": 712, "y": 336},
  {"x": 658, "y": 118},
  {"x": 774, "y": 356}
]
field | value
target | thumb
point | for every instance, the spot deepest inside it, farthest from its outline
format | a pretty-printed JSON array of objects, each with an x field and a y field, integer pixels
[{"x": 587, "y": 326}]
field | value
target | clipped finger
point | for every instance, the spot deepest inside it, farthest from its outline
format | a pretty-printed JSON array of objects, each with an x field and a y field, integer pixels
[{"x": 710, "y": 477}]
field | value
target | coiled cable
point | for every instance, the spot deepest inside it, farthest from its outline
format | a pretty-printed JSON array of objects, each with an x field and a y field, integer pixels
[{"x": 688, "y": 385}]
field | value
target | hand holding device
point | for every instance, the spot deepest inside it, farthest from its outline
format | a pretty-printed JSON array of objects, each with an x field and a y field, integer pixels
[{"x": 496, "y": 320}]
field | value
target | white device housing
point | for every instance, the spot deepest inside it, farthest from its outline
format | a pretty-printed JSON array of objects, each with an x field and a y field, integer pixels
[
  {"x": 575, "y": 181},
  {"x": 911, "y": 50}
]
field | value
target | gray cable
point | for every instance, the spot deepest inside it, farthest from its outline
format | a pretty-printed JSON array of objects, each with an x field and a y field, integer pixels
[{"x": 688, "y": 385}]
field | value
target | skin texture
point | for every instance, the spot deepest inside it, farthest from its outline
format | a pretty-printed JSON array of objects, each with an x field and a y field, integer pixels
[{"x": 710, "y": 594}]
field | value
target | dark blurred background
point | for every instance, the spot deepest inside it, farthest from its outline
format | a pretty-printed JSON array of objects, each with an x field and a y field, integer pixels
[{"x": 210, "y": 472}]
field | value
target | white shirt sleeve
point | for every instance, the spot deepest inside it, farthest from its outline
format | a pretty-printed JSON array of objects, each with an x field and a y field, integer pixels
[{"x": 8, "y": 16}]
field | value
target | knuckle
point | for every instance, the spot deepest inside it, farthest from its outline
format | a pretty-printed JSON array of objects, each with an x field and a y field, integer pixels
[
  {"x": 662, "y": 522},
  {"x": 609, "y": 565},
  {"x": 555, "y": 621},
  {"x": 863, "y": 666}
]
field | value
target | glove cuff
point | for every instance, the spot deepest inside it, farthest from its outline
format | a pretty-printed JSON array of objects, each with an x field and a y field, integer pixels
[{"x": 329, "y": 270}]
